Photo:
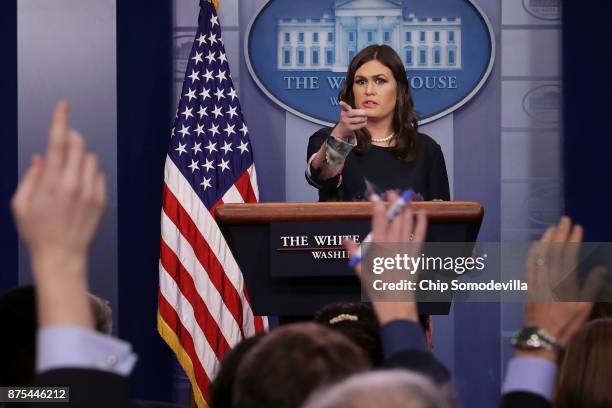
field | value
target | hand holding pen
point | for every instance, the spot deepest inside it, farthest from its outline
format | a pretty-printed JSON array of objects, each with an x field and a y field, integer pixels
[
  {"x": 396, "y": 208},
  {"x": 392, "y": 227}
]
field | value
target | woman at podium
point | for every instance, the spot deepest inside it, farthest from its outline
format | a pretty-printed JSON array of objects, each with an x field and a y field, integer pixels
[{"x": 376, "y": 137}]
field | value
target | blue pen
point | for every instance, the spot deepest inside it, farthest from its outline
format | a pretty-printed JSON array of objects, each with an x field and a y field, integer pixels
[{"x": 392, "y": 212}]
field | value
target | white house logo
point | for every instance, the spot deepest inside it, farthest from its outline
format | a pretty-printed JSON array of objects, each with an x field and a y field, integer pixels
[
  {"x": 543, "y": 103},
  {"x": 542, "y": 205},
  {"x": 297, "y": 51},
  {"x": 426, "y": 43},
  {"x": 543, "y": 9},
  {"x": 182, "y": 48}
]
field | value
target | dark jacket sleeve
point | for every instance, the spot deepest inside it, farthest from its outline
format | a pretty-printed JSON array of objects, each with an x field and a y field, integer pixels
[
  {"x": 521, "y": 399},
  {"x": 404, "y": 347},
  {"x": 422, "y": 362},
  {"x": 437, "y": 177},
  {"x": 314, "y": 144},
  {"x": 88, "y": 388}
]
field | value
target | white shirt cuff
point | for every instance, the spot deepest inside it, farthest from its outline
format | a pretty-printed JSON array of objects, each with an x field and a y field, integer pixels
[
  {"x": 74, "y": 347},
  {"x": 531, "y": 374}
]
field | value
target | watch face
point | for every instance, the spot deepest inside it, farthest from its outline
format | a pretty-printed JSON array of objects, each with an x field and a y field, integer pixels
[
  {"x": 528, "y": 338},
  {"x": 533, "y": 338},
  {"x": 533, "y": 341}
]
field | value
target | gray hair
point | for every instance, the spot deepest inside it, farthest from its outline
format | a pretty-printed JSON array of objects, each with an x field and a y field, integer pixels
[{"x": 382, "y": 389}]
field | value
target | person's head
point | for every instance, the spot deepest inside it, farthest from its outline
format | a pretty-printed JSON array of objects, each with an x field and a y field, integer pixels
[
  {"x": 601, "y": 310},
  {"x": 585, "y": 378},
  {"x": 223, "y": 384},
  {"x": 381, "y": 389},
  {"x": 18, "y": 350},
  {"x": 18, "y": 317},
  {"x": 376, "y": 81},
  {"x": 103, "y": 314},
  {"x": 290, "y": 362},
  {"x": 356, "y": 321}
]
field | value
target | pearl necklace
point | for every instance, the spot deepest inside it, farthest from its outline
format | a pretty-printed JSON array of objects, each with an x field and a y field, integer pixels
[{"x": 384, "y": 139}]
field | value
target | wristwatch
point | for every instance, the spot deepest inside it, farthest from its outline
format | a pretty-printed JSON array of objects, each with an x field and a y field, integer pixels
[{"x": 536, "y": 338}]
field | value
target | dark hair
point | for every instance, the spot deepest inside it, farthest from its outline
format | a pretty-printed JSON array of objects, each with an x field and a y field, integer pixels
[
  {"x": 18, "y": 342},
  {"x": 584, "y": 375},
  {"x": 405, "y": 121},
  {"x": 292, "y": 361},
  {"x": 221, "y": 388},
  {"x": 601, "y": 310},
  {"x": 356, "y": 321},
  {"x": 18, "y": 315}
]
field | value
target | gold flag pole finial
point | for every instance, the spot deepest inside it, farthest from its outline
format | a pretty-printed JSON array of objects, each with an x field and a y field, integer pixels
[{"x": 216, "y": 4}]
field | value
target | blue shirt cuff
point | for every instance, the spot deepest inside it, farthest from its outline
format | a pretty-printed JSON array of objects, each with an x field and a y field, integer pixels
[
  {"x": 400, "y": 335},
  {"x": 75, "y": 347},
  {"x": 531, "y": 374}
]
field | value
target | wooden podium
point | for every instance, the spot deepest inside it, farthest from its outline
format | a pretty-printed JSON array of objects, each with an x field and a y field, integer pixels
[{"x": 291, "y": 257}]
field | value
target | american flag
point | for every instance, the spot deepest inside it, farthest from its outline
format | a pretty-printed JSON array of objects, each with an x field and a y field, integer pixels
[{"x": 203, "y": 306}]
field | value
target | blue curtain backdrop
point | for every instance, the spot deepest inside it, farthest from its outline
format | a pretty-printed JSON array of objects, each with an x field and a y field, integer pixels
[
  {"x": 8, "y": 152},
  {"x": 587, "y": 87},
  {"x": 144, "y": 117}
]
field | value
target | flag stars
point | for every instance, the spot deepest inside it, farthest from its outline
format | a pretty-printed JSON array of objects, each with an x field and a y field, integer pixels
[
  {"x": 194, "y": 165},
  {"x": 210, "y": 57},
  {"x": 184, "y": 130},
  {"x": 227, "y": 147},
  {"x": 205, "y": 183},
  {"x": 214, "y": 21},
  {"x": 232, "y": 93},
  {"x": 222, "y": 58},
  {"x": 205, "y": 93},
  {"x": 199, "y": 129},
  {"x": 191, "y": 94},
  {"x": 231, "y": 111},
  {"x": 187, "y": 113},
  {"x": 214, "y": 129},
  {"x": 197, "y": 57},
  {"x": 217, "y": 111},
  {"x": 212, "y": 147},
  {"x": 219, "y": 94},
  {"x": 208, "y": 165},
  {"x": 212, "y": 38},
  {"x": 202, "y": 112},
  {"x": 201, "y": 40},
  {"x": 181, "y": 149},
  {"x": 208, "y": 75},
  {"x": 229, "y": 129},
  {"x": 196, "y": 148},
  {"x": 220, "y": 76},
  {"x": 244, "y": 129},
  {"x": 224, "y": 165},
  {"x": 194, "y": 76},
  {"x": 243, "y": 147}
]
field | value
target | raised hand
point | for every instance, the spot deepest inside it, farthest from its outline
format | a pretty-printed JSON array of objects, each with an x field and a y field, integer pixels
[
  {"x": 404, "y": 229},
  {"x": 57, "y": 208},
  {"x": 557, "y": 302},
  {"x": 60, "y": 199}
]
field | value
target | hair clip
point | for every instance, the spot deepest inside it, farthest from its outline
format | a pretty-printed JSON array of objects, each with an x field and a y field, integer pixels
[{"x": 342, "y": 317}]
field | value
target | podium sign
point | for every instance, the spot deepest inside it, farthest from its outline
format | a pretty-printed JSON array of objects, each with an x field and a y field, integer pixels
[{"x": 299, "y": 249}]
